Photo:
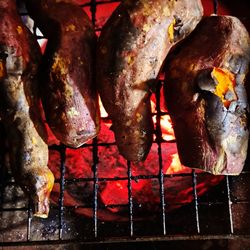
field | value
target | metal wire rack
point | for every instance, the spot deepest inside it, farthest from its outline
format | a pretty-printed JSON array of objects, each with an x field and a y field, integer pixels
[{"x": 220, "y": 214}]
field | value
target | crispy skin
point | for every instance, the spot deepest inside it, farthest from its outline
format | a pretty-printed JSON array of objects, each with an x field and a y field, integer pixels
[
  {"x": 210, "y": 127},
  {"x": 68, "y": 92},
  {"x": 130, "y": 53},
  {"x": 19, "y": 58}
]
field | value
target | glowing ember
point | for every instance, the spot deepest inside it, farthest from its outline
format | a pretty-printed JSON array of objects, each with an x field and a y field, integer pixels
[
  {"x": 166, "y": 127},
  {"x": 113, "y": 194},
  {"x": 102, "y": 110},
  {"x": 175, "y": 166}
]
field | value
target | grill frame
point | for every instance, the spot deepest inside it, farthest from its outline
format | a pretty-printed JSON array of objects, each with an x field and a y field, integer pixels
[{"x": 131, "y": 236}]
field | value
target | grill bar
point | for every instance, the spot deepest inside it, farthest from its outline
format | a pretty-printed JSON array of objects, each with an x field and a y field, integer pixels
[
  {"x": 96, "y": 181},
  {"x": 161, "y": 173},
  {"x": 95, "y": 146},
  {"x": 29, "y": 221},
  {"x": 2, "y": 184},
  {"x": 102, "y": 144},
  {"x": 215, "y": 6},
  {"x": 62, "y": 187},
  {"x": 229, "y": 205},
  {"x": 100, "y": 2},
  {"x": 3, "y": 170},
  {"x": 135, "y": 177},
  {"x": 93, "y": 11},
  {"x": 130, "y": 200},
  {"x": 126, "y": 205},
  {"x": 196, "y": 205}
]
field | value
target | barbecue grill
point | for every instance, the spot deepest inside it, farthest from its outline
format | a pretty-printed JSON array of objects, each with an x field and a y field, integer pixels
[{"x": 218, "y": 219}]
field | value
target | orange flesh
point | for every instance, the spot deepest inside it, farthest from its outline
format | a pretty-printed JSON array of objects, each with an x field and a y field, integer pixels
[
  {"x": 43, "y": 195},
  {"x": 225, "y": 82},
  {"x": 50, "y": 178},
  {"x": 1, "y": 70},
  {"x": 19, "y": 30},
  {"x": 171, "y": 31}
]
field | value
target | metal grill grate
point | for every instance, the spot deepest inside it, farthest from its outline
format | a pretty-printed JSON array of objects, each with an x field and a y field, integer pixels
[{"x": 232, "y": 202}]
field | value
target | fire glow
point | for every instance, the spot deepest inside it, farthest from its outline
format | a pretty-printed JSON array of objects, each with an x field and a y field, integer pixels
[{"x": 112, "y": 193}]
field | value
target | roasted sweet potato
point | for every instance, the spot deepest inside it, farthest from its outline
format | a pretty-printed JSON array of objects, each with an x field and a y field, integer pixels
[
  {"x": 19, "y": 59},
  {"x": 68, "y": 91},
  {"x": 206, "y": 97},
  {"x": 130, "y": 53}
]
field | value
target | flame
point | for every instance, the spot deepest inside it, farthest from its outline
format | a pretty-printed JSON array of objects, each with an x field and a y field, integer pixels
[
  {"x": 167, "y": 134},
  {"x": 102, "y": 109},
  {"x": 176, "y": 166},
  {"x": 167, "y": 128}
]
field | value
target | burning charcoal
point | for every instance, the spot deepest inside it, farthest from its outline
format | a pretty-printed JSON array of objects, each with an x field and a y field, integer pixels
[
  {"x": 113, "y": 195},
  {"x": 132, "y": 47},
  {"x": 211, "y": 129}
]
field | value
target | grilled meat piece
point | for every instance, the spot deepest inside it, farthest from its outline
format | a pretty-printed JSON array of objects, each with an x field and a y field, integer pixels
[
  {"x": 68, "y": 92},
  {"x": 206, "y": 96},
  {"x": 131, "y": 50},
  {"x": 19, "y": 58}
]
